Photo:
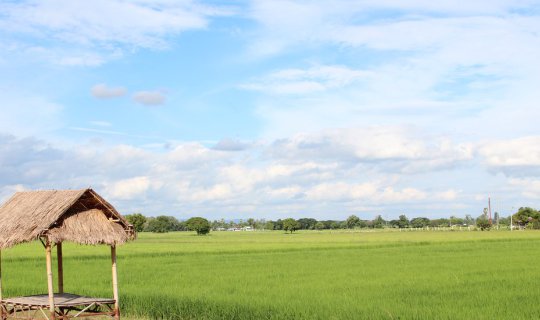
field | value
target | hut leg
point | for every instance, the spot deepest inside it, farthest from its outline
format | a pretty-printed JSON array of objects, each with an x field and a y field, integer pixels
[
  {"x": 0, "y": 276},
  {"x": 1, "y": 306},
  {"x": 50, "y": 285},
  {"x": 115, "y": 283},
  {"x": 60, "y": 268}
]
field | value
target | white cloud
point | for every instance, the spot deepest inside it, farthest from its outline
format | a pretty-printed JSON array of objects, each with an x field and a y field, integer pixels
[
  {"x": 102, "y": 91},
  {"x": 128, "y": 189},
  {"x": 90, "y": 32},
  {"x": 149, "y": 98},
  {"x": 192, "y": 178},
  {"x": 529, "y": 187},
  {"x": 302, "y": 81},
  {"x": 520, "y": 152}
]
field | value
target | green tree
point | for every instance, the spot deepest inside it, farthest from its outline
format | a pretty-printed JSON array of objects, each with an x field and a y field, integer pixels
[
  {"x": 379, "y": 222},
  {"x": 352, "y": 221},
  {"x": 469, "y": 220},
  {"x": 482, "y": 222},
  {"x": 290, "y": 225},
  {"x": 420, "y": 222},
  {"x": 160, "y": 224},
  {"x": 307, "y": 223},
  {"x": 269, "y": 225},
  {"x": 137, "y": 220},
  {"x": 319, "y": 225},
  {"x": 455, "y": 221},
  {"x": 198, "y": 224},
  {"x": 403, "y": 222},
  {"x": 525, "y": 216}
]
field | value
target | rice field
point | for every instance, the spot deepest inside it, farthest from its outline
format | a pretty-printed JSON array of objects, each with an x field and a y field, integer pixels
[{"x": 306, "y": 275}]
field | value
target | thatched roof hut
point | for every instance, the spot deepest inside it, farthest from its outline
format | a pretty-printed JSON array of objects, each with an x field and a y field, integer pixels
[{"x": 80, "y": 216}]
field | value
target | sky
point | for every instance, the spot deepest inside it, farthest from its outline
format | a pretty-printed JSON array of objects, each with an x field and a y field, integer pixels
[{"x": 274, "y": 109}]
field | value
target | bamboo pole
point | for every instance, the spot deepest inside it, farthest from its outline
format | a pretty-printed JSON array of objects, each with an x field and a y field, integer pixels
[
  {"x": 1, "y": 306},
  {"x": 115, "y": 283},
  {"x": 60, "y": 267},
  {"x": 0, "y": 275},
  {"x": 50, "y": 280}
]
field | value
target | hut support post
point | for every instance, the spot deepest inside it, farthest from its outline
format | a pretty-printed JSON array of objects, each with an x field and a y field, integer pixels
[
  {"x": 1, "y": 307},
  {"x": 0, "y": 276},
  {"x": 60, "y": 267},
  {"x": 48, "y": 249},
  {"x": 115, "y": 283}
]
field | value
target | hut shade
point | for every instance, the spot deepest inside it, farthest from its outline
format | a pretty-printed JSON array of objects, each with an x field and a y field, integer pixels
[
  {"x": 80, "y": 216},
  {"x": 88, "y": 227}
]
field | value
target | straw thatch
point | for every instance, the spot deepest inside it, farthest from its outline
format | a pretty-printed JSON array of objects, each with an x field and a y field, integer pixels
[{"x": 80, "y": 216}]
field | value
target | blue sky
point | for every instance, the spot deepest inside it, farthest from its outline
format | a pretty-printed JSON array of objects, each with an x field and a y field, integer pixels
[{"x": 271, "y": 109}]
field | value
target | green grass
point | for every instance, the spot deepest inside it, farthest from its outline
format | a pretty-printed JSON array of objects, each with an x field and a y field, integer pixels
[{"x": 308, "y": 275}]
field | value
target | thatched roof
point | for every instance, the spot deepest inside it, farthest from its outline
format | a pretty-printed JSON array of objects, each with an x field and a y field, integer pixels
[{"x": 80, "y": 216}]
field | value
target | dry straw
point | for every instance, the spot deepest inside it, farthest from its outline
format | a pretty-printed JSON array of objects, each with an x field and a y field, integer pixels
[{"x": 80, "y": 216}]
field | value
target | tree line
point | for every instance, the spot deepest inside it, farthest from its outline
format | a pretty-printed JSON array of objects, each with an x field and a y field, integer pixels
[{"x": 525, "y": 217}]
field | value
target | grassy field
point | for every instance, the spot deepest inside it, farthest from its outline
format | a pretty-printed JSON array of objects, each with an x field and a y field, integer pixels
[{"x": 307, "y": 275}]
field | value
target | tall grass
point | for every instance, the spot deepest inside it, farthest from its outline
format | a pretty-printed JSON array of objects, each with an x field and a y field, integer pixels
[{"x": 309, "y": 275}]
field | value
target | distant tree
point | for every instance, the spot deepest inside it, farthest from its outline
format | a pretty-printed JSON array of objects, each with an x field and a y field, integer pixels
[
  {"x": 334, "y": 225},
  {"x": 394, "y": 223},
  {"x": 482, "y": 222},
  {"x": 290, "y": 225},
  {"x": 403, "y": 222},
  {"x": 505, "y": 221},
  {"x": 420, "y": 222},
  {"x": 251, "y": 222},
  {"x": 442, "y": 222},
  {"x": 455, "y": 221},
  {"x": 137, "y": 220},
  {"x": 496, "y": 218},
  {"x": 319, "y": 225},
  {"x": 352, "y": 221},
  {"x": 469, "y": 220},
  {"x": 278, "y": 225},
  {"x": 198, "y": 224},
  {"x": 307, "y": 223},
  {"x": 525, "y": 216},
  {"x": 379, "y": 222},
  {"x": 160, "y": 224},
  {"x": 362, "y": 224},
  {"x": 269, "y": 225}
]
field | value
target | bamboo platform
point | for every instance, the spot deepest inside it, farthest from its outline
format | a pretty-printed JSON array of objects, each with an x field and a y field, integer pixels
[{"x": 67, "y": 306}]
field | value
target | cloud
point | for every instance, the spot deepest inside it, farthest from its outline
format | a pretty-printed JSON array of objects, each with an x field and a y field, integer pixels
[
  {"x": 192, "y": 178},
  {"x": 528, "y": 187},
  {"x": 128, "y": 189},
  {"x": 149, "y": 98},
  {"x": 230, "y": 145},
  {"x": 89, "y": 33},
  {"x": 302, "y": 81},
  {"x": 102, "y": 91},
  {"x": 515, "y": 157}
]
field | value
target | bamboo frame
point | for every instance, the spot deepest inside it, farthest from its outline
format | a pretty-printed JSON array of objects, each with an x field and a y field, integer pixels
[
  {"x": 2, "y": 317},
  {"x": 115, "y": 284},
  {"x": 0, "y": 275},
  {"x": 50, "y": 280},
  {"x": 60, "y": 267}
]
